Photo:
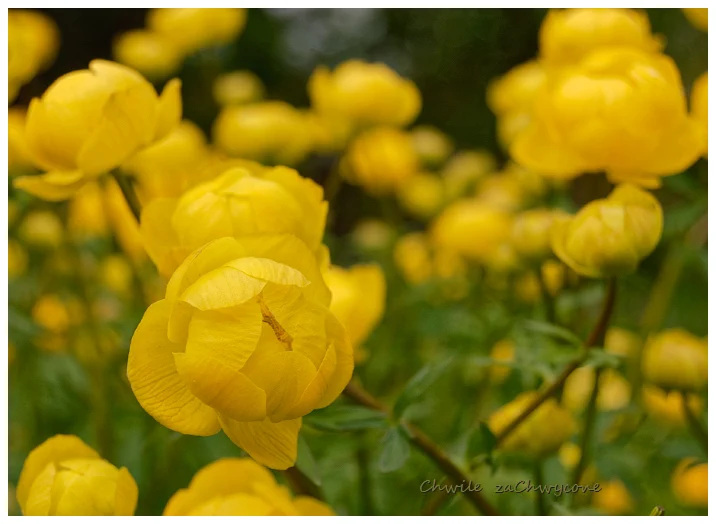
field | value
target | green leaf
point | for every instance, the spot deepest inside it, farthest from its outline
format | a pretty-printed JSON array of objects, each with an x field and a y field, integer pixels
[
  {"x": 553, "y": 331},
  {"x": 396, "y": 450},
  {"x": 305, "y": 462},
  {"x": 599, "y": 358},
  {"x": 418, "y": 385},
  {"x": 346, "y": 418},
  {"x": 481, "y": 442},
  {"x": 679, "y": 219}
]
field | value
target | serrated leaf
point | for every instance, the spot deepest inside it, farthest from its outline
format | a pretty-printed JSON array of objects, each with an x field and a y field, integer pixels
[
  {"x": 481, "y": 442},
  {"x": 346, "y": 418},
  {"x": 306, "y": 463},
  {"x": 419, "y": 384},
  {"x": 553, "y": 331},
  {"x": 396, "y": 450}
]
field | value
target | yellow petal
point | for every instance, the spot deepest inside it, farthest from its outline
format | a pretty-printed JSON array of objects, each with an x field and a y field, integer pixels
[
  {"x": 200, "y": 219},
  {"x": 310, "y": 507},
  {"x": 39, "y": 499},
  {"x": 84, "y": 487},
  {"x": 316, "y": 389},
  {"x": 678, "y": 151},
  {"x": 155, "y": 382},
  {"x": 125, "y": 498},
  {"x": 57, "y": 448},
  {"x": 35, "y": 130},
  {"x": 535, "y": 150},
  {"x": 272, "y": 444},
  {"x": 235, "y": 505},
  {"x": 53, "y": 186},
  {"x": 222, "y": 288},
  {"x": 169, "y": 109},
  {"x": 336, "y": 335},
  {"x": 269, "y": 271},
  {"x": 158, "y": 235}
]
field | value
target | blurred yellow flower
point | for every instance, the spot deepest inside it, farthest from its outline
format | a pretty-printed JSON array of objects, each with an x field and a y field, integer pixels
[
  {"x": 569, "y": 35},
  {"x": 16, "y": 259},
  {"x": 271, "y": 132},
  {"x": 464, "y": 169},
  {"x": 192, "y": 29},
  {"x": 613, "y": 499},
  {"x": 237, "y": 88},
  {"x": 432, "y": 145},
  {"x": 364, "y": 94},
  {"x": 676, "y": 359},
  {"x": 502, "y": 191},
  {"x": 64, "y": 476},
  {"x": 619, "y": 110},
  {"x": 504, "y": 351},
  {"x": 380, "y": 160},
  {"x": 243, "y": 341},
  {"x": 42, "y": 228},
  {"x": 238, "y": 202},
  {"x": 413, "y": 258},
  {"x": 569, "y": 454},
  {"x": 700, "y": 107},
  {"x": 619, "y": 341},
  {"x": 89, "y": 122},
  {"x": 531, "y": 232},
  {"x": 86, "y": 213},
  {"x": 614, "y": 390},
  {"x": 328, "y": 134},
  {"x": 698, "y": 16},
  {"x": 33, "y": 40},
  {"x": 373, "y": 234},
  {"x": 116, "y": 274},
  {"x": 150, "y": 53},
  {"x": 528, "y": 287},
  {"x": 689, "y": 482},
  {"x": 422, "y": 195},
  {"x": 610, "y": 236},
  {"x": 541, "y": 434},
  {"x": 18, "y": 154},
  {"x": 240, "y": 487},
  {"x": 667, "y": 407},
  {"x": 51, "y": 313}
]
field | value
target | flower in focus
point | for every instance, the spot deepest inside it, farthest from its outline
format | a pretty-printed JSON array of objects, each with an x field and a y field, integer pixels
[
  {"x": 619, "y": 110},
  {"x": 16, "y": 259},
  {"x": 89, "y": 122},
  {"x": 432, "y": 145},
  {"x": 243, "y": 342},
  {"x": 64, "y": 476},
  {"x": 364, "y": 94},
  {"x": 614, "y": 389},
  {"x": 700, "y": 107},
  {"x": 192, "y": 29},
  {"x": 237, "y": 88},
  {"x": 380, "y": 160},
  {"x": 698, "y": 16},
  {"x": 689, "y": 482},
  {"x": 269, "y": 132},
  {"x": 546, "y": 429},
  {"x": 676, "y": 359},
  {"x": 569, "y": 35},
  {"x": 42, "y": 229},
  {"x": 503, "y": 351},
  {"x": 373, "y": 234},
  {"x": 613, "y": 499},
  {"x": 33, "y": 40},
  {"x": 463, "y": 170},
  {"x": 358, "y": 298},
  {"x": 18, "y": 154},
  {"x": 239, "y": 487},
  {"x": 422, "y": 195},
  {"x": 610, "y": 236},
  {"x": 667, "y": 407},
  {"x": 148, "y": 52},
  {"x": 238, "y": 202},
  {"x": 531, "y": 232}
]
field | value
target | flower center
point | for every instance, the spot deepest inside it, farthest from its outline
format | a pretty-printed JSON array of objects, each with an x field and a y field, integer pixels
[{"x": 278, "y": 330}]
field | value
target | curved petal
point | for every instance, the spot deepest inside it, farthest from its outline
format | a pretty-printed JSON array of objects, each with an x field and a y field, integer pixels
[
  {"x": 337, "y": 336},
  {"x": 155, "y": 381},
  {"x": 53, "y": 186},
  {"x": 310, "y": 507},
  {"x": 234, "y": 505},
  {"x": 269, "y": 271},
  {"x": 158, "y": 235},
  {"x": 125, "y": 498},
  {"x": 34, "y": 132},
  {"x": 316, "y": 389},
  {"x": 535, "y": 150},
  {"x": 678, "y": 151},
  {"x": 38, "y": 500},
  {"x": 169, "y": 109},
  {"x": 272, "y": 444},
  {"x": 222, "y": 288}
]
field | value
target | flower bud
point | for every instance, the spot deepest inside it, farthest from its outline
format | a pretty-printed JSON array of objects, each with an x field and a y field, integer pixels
[
  {"x": 689, "y": 482},
  {"x": 700, "y": 107},
  {"x": 42, "y": 229},
  {"x": 116, "y": 274},
  {"x": 614, "y": 390},
  {"x": 529, "y": 289},
  {"x": 613, "y": 499},
  {"x": 148, "y": 52},
  {"x": 432, "y": 145},
  {"x": 65, "y": 477},
  {"x": 622, "y": 342},
  {"x": 698, "y": 16},
  {"x": 610, "y": 236},
  {"x": 676, "y": 359},
  {"x": 237, "y": 88},
  {"x": 413, "y": 258},
  {"x": 240, "y": 487},
  {"x": 422, "y": 195},
  {"x": 667, "y": 407},
  {"x": 503, "y": 351}
]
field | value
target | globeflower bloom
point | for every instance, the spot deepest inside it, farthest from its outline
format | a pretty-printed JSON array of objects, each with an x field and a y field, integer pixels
[
  {"x": 244, "y": 342},
  {"x": 236, "y": 203},
  {"x": 89, "y": 122},
  {"x": 148, "y": 52},
  {"x": 64, "y": 476},
  {"x": 364, "y": 94},
  {"x": 622, "y": 111},
  {"x": 614, "y": 389},
  {"x": 240, "y": 487},
  {"x": 676, "y": 359},
  {"x": 700, "y": 107},
  {"x": 380, "y": 160},
  {"x": 610, "y": 236},
  {"x": 502, "y": 351},
  {"x": 689, "y": 482}
]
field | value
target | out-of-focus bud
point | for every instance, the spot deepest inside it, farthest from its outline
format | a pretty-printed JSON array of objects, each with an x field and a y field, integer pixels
[
  {"x": 622, "y": 342},
  {"x": 610, "y": 236},
  {"x": 689, "y": 482},
  {"x": 698, "y": 16},
  {"x": 237, "y": 88},
  {"x": 51, "y": 313},
  {"x": 33, "y": 40},
  {"x": 546, "y": 429},
  {"x": 667, "y": 407},
  {"x": 150, "y": 53},
  {"x": 569, "y": 454},
  {"x": 613, "y": 499},
  {"x": 614, "y": 390},
  {"x": 380, "y": 160},
  {"x": 529, "y": 289},
  {"x": 18, "y": 153},
  {"x": 676, "y": 359},
  {"x": 700, "y": 107},
  {"x": 86, "y": 215},
  {"x": 16, "y": 259},
  {"x": 373, "y": 234},
  {"x": 464, "y": 169},
  {"x": 502, "y": 192},
  {"x": 422, "y": 195},
  {"x": 412, "y": 257},
  {"x": 42, "y": 229},
  {"x": 116, "y": 274},
  {"x": 432, "y": 145},
  {"x": 531, "y": 231},
  {"x": 503, "y": 351}
]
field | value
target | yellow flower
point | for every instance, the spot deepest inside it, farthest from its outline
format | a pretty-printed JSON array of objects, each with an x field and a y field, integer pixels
[
  {"x": 64, "y": 476},
  {"x": 569, "y": 35},
  {"x": 610, "y": 236},
  {"x": 413, "y": 258},
  {"x": 503, "y": 351},
  {"x": 237, "y": 88},
  {"x": 569, "y": 454},
  {"x": 613, "y": 499},
  {"x": 243, "y": 342},
  {"x": 529, "y": 289},
  {"x": 471, "y": 229},
  {"x": 358, "y": 298},
  {"x": 172, "y": 165},
  {"x": 667, "y": 407},
  {"x": 531, "y": 232},
  {"x": 239, "y": 487},
  {"x": 689, "y": 482},
  {"x": 380, "y": 160},
  {"x": 699, "y": 17},
  {"x": 364, "y": 94},
  {"x": 676, "y": 359},
  {"x": 18, "y": 154},
  {"x": 116, "y": 273},
  {"x": 148, "y": 52},
  {"x": 373, "y": 234},
  {"x": 700, "y": 107},
  {"x": 16, "y": 259},
  {"x": 33, "y": 40},
  {"x": 619, "y": 110},
  {"x": 546, "y": 429},
  {"x": 124, "y": 225},
  {"x": 422, "y": 195},
  {"x": 51, "y": 314},
  {"x": 89, "y": 122},
  {"x": 614, "y": 390},
  {"x": 622, "y": 342},
  {"x": 237, "y": 203},
  {"x": 192, "y": 29},
  {"x": 432, "y": 145},
  {"x": 269, "y": 132},
  {"x": 86, "y": 214},
  {"x": 464, "y": 169},
  {"x": 42, "y": 229}
]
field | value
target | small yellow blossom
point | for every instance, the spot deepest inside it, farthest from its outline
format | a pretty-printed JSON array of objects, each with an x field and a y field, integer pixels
[
  {"x": 613, "y": 499},
  {"x": 422, "y": 195},
  {"x": 690, "y": 483},
  {"x": 503, "y": 351},
  {"x": 42, "y": 229},
  {"x": 667, "y": 407},
  {"x": 528, "y": 288},
  {"x": 86, "y": 215},
  {"x": 622, "y": 342},
  {"x": 676, "y": 359},
  {"x": 237, "y": 88},
  {"x": 463, "y": 170},
  {"x": 116, "y": 273},
  {"x": 569, "y": 454},
  {"x": 531, "y": 231},
  {"x": 432, "y": 145},
  {"x": 614, "y": 390},
  {"x": 413, "y": 258},
  {"x": 153, "y": 55},
  {"x": 33, "y": 40}
]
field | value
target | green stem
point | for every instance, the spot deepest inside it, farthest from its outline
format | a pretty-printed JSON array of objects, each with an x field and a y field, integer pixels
[
  {"x": 547, "y": 298},
  {"x": 540, "y": 502},
  {"x": 130, "y": 195},
  {"x": 695, "y": 425}
]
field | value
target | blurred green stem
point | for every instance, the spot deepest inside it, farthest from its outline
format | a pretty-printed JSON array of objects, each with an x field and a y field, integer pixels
[
  {"x": 130, "y": 195},
  {"x": 333, "y": 183},
  {"x": 695, "y": 425},
  {"x": 588, "y": 431},
  {"x": 547, "y": 298},
  {"x": 540, "y": 502}
]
